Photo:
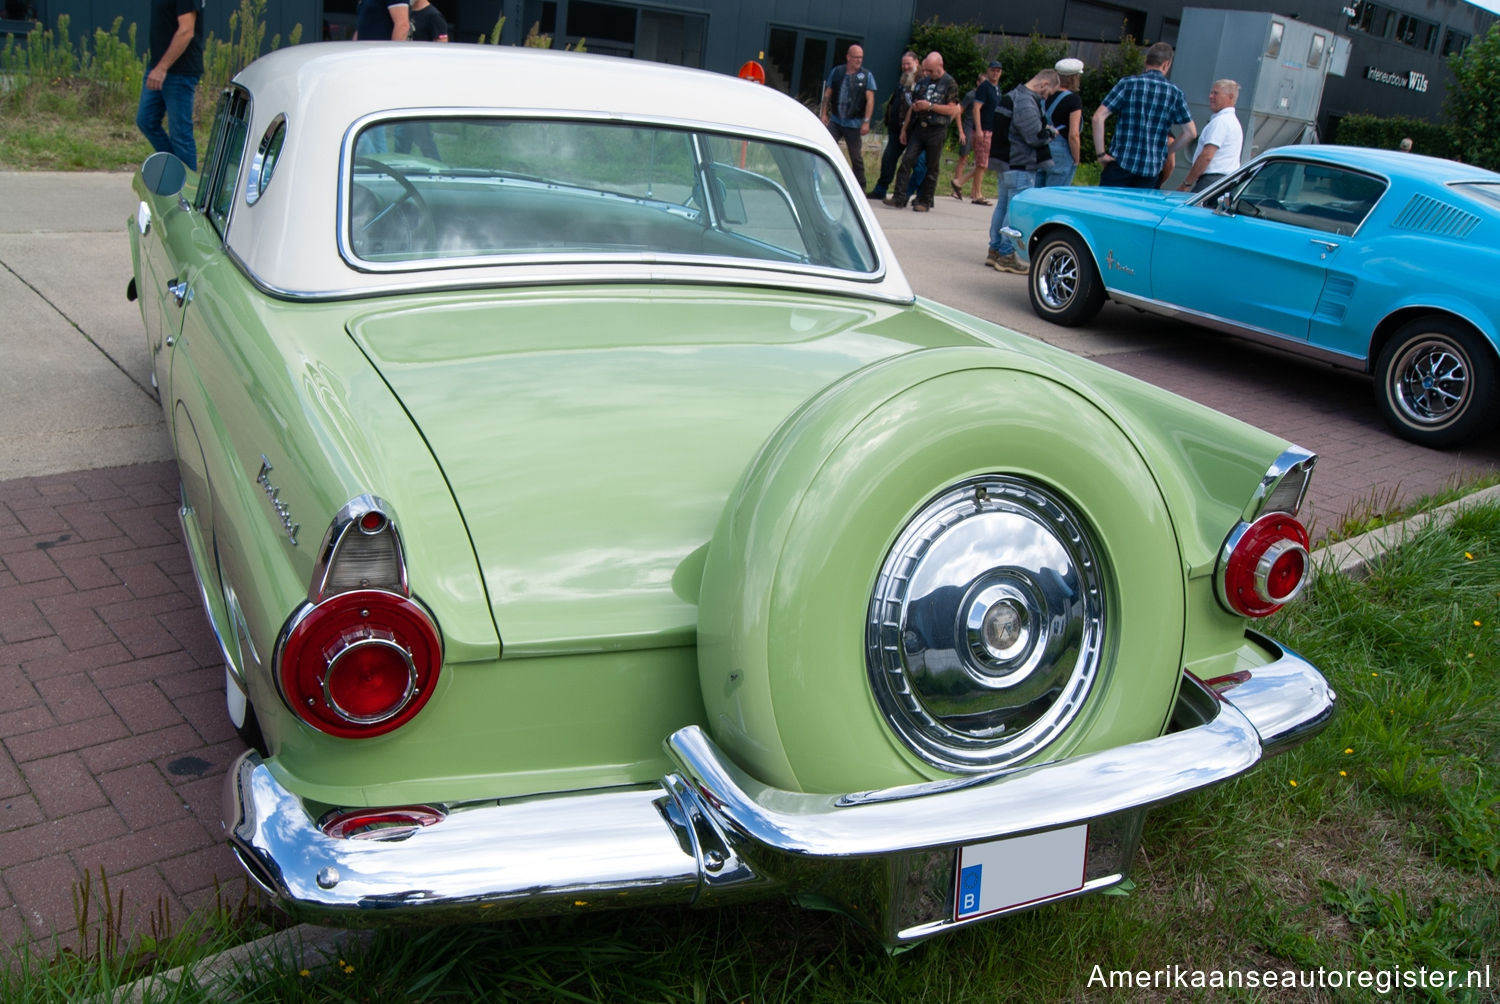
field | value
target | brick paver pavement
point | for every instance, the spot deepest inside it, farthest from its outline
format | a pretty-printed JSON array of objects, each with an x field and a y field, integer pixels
[
  {"x": 115, "y": 741},
  {"x": 1362, "y": 466}
]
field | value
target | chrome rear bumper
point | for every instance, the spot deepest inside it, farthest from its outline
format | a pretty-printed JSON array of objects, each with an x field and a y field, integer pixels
[{"x": 709, "y": 833}]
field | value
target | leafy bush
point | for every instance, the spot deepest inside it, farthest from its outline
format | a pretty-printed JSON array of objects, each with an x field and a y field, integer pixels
[
  {"x": 959, "y": 43},
  {"x": 48, "y": 58},
  {"x": 1387, "y": 134},
  {"x": 222, "y": 59},
  {"x": 1474, "y": 100}
]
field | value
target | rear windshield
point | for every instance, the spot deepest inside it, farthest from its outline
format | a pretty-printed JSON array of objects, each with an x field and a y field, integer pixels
[
  {"x": 458, "y": 190},
  {"x": 1487, "y": 191}
]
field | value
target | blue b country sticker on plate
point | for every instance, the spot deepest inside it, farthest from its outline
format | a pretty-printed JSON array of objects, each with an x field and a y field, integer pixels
[
  {"x": 1004, "y": 874},
  {"x": 969, "y": 881}
]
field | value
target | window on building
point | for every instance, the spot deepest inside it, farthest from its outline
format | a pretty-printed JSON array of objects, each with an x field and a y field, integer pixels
[
  {"x": 636, "y": 32},
  {"x": 1416, "y": 32},
  {"x": 1315, "y": 51},
  {"x": 542, "y": 14},
  {"x": 798, "y": 62},
  {"x": 1454, "y": 42},
  {"x": 1383, "y": 22},
  {"x": 1085, "y": 19},
  {"x": 1273, "y": 44}
]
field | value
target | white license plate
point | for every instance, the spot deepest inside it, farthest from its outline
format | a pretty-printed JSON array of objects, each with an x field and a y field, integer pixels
[{"x": 1005, "y": 874}]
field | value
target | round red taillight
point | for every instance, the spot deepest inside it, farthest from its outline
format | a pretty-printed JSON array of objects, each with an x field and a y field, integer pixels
[
  {"x": 394, "y": 823},
  {"x": 360, "y": 663},
  {"x": 1267, "y": 565}
]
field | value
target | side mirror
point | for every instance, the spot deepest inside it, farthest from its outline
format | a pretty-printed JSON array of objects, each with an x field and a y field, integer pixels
[
  {"x": 163, "y": 174},
  {"x": 1222, "y": 206}
]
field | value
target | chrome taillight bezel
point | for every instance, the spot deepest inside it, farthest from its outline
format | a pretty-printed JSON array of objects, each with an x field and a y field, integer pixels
[
  {"x": 1245, "y": 580},
  {"x": 359, "y": 596}
]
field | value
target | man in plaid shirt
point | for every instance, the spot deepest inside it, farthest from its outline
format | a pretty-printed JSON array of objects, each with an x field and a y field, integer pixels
[{"x": 1149, "y": 106}]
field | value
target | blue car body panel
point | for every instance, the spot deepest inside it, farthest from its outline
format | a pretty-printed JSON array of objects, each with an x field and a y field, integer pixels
[{"x": 1379, "y": 236}]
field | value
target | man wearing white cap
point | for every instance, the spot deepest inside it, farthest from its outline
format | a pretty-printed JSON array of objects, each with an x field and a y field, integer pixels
[{"x": 1065, "y": 111}]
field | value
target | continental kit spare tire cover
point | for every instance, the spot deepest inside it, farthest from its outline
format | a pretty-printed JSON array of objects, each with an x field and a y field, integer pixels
[{"x": 949, "y": 563}]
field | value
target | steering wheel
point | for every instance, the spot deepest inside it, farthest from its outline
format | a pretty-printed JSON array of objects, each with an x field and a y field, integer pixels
[{"x": 389, "y": 222}]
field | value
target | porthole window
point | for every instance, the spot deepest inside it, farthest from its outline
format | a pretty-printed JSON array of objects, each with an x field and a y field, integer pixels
[{"x": 266, "y": 156}]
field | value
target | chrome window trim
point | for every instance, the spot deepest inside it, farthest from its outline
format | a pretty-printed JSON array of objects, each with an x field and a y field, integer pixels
[
  {"x": 515, "y": 276},
  {"x": 1206, "y": 198},
  {"x": 691, "y": 126},
  {"x": 258, "y": 178},
  {"x": 208, "y": 182}
]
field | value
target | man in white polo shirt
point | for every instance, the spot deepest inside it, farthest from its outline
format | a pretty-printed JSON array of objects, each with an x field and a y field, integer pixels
[{"x": 1220, "y": 142}]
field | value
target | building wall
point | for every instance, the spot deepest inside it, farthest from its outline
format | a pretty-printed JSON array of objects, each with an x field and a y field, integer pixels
[
  {"x": 797, "y": 41},
  {"x": 86, "y": 15},
  {"x": 1387, "y": 75}
]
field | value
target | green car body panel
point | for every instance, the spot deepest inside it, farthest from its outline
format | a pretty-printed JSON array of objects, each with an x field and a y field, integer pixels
[
  {"x": 646, "y": 497},
  {"x": 583, "y": 505}
]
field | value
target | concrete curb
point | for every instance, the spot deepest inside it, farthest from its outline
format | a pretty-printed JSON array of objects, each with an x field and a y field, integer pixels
[
  {"x": 302, "y": 947},
  {"x": 1355, "y": 556}
]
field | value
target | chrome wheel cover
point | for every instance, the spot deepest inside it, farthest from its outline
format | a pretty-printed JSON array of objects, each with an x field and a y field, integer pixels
[
  {"x": 986, "y": 626},
  {"x": 1057, "y": 277},
  {"x": 1430, "y": 382}
]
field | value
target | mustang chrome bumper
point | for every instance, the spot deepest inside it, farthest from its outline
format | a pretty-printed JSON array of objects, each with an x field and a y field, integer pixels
[{"x": 709, "y": 833}]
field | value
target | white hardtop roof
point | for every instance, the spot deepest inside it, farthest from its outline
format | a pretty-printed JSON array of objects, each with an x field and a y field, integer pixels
[{"x": 287, "y": 240}]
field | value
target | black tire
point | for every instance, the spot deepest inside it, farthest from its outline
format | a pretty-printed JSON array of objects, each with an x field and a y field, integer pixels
[
  {"x": 250, "y": 733},
  {"x": 1436, "y": 382},
  {"x": 1064, "y": 285}
]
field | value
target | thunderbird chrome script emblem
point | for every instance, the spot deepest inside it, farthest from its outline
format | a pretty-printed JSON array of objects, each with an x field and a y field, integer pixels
[
  {"x": 283, "y": 511},
  {"x": 1115, "y": 266}
]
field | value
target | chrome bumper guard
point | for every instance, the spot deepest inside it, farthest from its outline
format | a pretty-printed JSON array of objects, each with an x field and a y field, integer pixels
[{"x": 709, "y": 833}]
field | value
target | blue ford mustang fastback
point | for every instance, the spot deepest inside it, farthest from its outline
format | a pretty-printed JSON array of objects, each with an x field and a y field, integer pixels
[{"x": 1373, "y": 260}]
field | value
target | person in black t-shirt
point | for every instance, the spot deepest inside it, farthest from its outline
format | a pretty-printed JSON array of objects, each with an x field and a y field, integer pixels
[
  {"x": 935, "y": 101},
  {"x": 1065, "y": 111},
  {"x": 427, "y": 23},
  {"x": 171, "y": 83}
]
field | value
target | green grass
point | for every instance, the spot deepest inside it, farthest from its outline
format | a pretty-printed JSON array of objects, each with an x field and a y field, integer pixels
[
  {"x": 78, "y": 127},
  {"x": 1373, "y": 848}
]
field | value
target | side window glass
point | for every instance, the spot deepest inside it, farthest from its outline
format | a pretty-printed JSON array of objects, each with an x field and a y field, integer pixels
[
  {"x": 267, "y": 154},
  {"x": 226, "y": 152},
  {"x": 1314, "y": 196}
]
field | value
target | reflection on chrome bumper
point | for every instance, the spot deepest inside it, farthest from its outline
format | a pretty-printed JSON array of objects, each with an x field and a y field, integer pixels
[{"x": 708, "y": 832}]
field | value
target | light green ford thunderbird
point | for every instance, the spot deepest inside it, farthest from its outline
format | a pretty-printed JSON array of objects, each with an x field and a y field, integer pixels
[{"x": 590, "y": 515}]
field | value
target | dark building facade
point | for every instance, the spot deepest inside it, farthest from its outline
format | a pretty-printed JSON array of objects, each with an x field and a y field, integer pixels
[
  {"x": 796, "y": 41},
  {"x": 1398, "y": 49}
]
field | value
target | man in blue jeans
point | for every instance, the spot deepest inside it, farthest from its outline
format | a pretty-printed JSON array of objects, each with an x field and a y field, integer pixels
[{"x": 170, "y": 85}]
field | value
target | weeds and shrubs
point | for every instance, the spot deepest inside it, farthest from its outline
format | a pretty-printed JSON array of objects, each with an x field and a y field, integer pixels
[{"x": 70, "y": 104}]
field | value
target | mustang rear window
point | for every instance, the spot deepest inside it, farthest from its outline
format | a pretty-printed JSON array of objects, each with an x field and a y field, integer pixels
[
  {"x": 1489, "y": 191},
  {"x": 452, "y": 190}
]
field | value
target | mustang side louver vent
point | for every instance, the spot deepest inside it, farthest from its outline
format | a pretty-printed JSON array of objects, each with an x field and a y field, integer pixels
[{"x": 1434, "y": 217}]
